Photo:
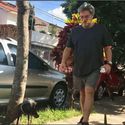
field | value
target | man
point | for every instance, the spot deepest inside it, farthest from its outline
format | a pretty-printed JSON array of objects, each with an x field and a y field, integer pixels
[{"x": 87, "y": 41}]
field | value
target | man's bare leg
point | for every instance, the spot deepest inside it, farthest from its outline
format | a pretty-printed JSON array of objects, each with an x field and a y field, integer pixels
[
  {"x": 82, "y": 98},
  {"x": 89, "y": 99}
]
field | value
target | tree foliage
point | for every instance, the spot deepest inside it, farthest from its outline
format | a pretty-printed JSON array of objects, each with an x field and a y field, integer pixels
[
  {"x": 63, "y": 37},
  {"x": 110, "y": 13}
]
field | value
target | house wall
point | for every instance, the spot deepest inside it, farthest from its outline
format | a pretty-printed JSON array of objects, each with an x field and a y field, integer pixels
[
  {"x": 46, "y": 27},
  {"x": 43, "y": 26},
  {"x": 3, "y": 16},
  {"x": 8, "y": 30},
  {"x": 12, "y": 18},
  {"x": 7, "y": 18},
  {"x": 44, "y": 38},
  {"x": 54, "y": 29}
]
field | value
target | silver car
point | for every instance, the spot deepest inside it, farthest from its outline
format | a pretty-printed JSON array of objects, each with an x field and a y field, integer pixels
[{"x": 44, "y": 82}]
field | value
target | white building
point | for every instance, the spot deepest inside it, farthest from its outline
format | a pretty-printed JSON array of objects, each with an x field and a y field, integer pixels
[
  {"x": 8, "y": 13},
  {"x": 42, "y": 43}
]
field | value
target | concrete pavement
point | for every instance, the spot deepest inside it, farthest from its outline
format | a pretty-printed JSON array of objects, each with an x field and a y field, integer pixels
[{"x": 115, "y": 111}]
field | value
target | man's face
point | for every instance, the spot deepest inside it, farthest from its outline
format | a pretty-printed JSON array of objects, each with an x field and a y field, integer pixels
[{"x": 86, "y": 17}]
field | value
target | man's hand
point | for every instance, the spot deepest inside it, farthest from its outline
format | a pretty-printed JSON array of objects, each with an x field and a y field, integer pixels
[
  {"x": 107, "y": 68},
  {"x": 62, "y": 67},
  {"x": 66, "y": 55}
]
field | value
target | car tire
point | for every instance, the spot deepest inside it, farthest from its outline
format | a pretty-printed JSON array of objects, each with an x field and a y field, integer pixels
[
  {"x": 100, "y": 92},
  {"x": 58, "y": 96}
]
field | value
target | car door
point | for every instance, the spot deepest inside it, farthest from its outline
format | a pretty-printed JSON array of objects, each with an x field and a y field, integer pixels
[
  {"x": 6, "y": 74},
  {"x": 38, "y": 82}
]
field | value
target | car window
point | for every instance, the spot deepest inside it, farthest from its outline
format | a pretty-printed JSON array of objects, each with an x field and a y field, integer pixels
[
  {"x": 35, "y": 62},
  {"x": 3, "y": 58},
  {"x": 13, "y": 48}
]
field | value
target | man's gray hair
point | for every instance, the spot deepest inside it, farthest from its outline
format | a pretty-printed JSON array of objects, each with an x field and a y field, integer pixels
[{"x": 87, "y": 6}]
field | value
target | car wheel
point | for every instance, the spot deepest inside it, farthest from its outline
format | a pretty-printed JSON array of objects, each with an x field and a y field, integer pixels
[
  {"x": 58, "y": 96},
  {"x": 100, "y": 92}
]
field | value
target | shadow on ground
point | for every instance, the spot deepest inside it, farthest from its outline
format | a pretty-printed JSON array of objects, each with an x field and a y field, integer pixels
[
  {"x": 97, "y": 123},
  {"x": 113, "y": 108},
  {"x": 108, "y": 106},
  {"x": 40, "y": 106}
]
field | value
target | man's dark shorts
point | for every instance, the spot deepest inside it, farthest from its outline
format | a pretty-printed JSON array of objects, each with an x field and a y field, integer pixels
[{"x": 86, "y": 81}]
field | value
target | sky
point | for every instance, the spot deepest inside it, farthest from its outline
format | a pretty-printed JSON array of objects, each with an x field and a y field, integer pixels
[{"x": 44, "y": 9}]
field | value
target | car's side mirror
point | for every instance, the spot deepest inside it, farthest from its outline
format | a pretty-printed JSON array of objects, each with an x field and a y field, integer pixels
[{"x": 14, "y": 58}]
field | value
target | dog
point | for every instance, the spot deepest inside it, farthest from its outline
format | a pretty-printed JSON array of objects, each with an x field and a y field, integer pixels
[{"x": 28, "y": 107}]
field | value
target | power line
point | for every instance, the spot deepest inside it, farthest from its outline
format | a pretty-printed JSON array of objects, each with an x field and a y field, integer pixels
[
  {"x": 55, "y": 23},
  {"x": 50, "y": 15}
]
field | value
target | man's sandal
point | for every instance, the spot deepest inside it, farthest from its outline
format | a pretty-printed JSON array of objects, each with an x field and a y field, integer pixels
[{"x": 82, "y": 123}]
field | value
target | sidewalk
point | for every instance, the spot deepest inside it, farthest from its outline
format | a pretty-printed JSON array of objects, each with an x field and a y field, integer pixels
[
  {"x": 95, "y": 119},
  {"x": 115, "y": 111}
]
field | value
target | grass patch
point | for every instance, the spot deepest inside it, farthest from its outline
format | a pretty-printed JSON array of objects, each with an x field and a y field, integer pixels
[{"x": 52, "y": 115}]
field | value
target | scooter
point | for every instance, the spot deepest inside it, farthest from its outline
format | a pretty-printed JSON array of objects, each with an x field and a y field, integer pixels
[{"x": 110, "y": 83}]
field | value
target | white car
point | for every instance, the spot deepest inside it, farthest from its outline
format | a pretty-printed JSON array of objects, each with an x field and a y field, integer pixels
[{"x": 44, "y": 82}]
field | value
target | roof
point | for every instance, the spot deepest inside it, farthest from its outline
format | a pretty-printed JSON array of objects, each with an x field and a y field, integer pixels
[
  {"x": 8, "y": 6},
  {"x": 40, "y": 22},
  {"x": 45, "y": 23}
]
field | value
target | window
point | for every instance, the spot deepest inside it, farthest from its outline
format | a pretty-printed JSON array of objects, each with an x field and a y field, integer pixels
[
  {"x": 3, "y": 58},
  {"x": 36, "y": 63},
  {"x": 13, "y": 48}
]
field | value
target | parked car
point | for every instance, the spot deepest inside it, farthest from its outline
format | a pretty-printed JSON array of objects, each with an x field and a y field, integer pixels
[
  {"x": 44, "y": 82},
  {"x": 110, "y": 83}
]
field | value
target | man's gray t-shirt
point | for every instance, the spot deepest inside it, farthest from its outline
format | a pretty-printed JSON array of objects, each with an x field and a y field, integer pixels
[{"x": 87, "y": 45}]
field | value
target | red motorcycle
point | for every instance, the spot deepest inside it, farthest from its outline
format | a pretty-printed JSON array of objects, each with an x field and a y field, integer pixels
[{"x": 110, "y": 83}]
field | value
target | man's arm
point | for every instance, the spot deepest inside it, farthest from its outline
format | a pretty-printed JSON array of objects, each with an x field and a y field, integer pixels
[
  {"x": 107, "y": 45},
  {"x": 108, "y": 56},
  {"x": 66, "y": 54},
  {"x": 108, "y": 53}
]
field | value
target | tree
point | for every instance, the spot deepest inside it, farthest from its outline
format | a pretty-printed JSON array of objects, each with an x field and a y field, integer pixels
[
  {"x": 110, "y": 13},
  {"x": 20, "y": 79},
  {"x": 107, "y": 13}
]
